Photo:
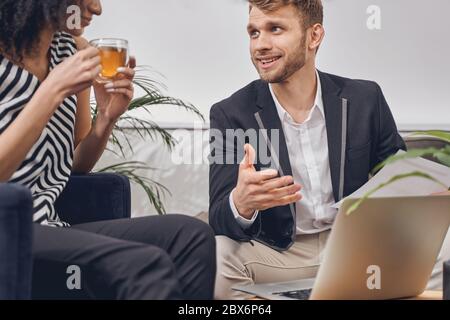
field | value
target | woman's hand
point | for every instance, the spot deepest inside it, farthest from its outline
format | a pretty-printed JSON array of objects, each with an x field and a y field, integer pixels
[
  {"x": 74, "y": 74},
  {"x": 114, "y": 97}
]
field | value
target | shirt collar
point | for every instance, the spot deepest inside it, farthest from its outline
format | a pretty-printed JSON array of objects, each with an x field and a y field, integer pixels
[{"x": 318, "y": 101}]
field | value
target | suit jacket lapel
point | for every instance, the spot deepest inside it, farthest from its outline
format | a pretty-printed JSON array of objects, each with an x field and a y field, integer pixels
[
  {"x": 333, "y": 115},
  {"x": 271, "y": 120}
]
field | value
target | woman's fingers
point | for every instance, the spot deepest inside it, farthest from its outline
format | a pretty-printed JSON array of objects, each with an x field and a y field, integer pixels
[
  {"x": 126, "y": 72},
  {"x": 119, "y": 84},
  {"x": 132, "y": 62},
  {"x": 93, "y": 62},
  {"x": 89, "y": 53},
  {"x": 127, "y": 92}
]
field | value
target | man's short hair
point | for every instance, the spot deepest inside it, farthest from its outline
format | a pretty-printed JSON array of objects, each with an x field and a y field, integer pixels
[{"x": 310, "y": 10}]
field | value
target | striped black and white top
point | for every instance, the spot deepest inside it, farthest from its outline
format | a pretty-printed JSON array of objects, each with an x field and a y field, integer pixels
[{"x": 47, "y": 166}]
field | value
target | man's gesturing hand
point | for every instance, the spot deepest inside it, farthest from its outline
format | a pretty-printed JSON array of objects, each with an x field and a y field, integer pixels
[{"x": 261, "y": 190}]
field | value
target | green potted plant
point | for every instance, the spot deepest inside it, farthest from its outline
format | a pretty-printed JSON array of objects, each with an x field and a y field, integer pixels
[
  {"x": 153, "y": 95},
  {"x": 442, "y": 155}
]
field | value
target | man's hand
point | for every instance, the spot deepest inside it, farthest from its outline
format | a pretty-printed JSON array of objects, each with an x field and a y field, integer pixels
[{"x": 261, "y": 190}]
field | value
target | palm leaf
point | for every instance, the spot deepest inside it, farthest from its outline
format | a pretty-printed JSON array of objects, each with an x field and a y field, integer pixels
[
  {"x": 154, "y": 95},
  {"x": 151, "y": 129},
  {"x": 157, "y": 99},
  {"x": 154, "y": 190},
  {"x": 356, "y": 205}
]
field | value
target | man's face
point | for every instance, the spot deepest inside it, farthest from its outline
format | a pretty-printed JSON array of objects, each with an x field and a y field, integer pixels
[{"x": 277, "y": 43}]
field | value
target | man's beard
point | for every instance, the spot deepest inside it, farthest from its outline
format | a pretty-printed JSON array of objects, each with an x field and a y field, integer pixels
[{"x": 293, "y": 64}]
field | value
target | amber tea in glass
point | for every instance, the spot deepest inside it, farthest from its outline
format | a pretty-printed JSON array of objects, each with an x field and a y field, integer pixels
[{"x": 113, "y": 55}]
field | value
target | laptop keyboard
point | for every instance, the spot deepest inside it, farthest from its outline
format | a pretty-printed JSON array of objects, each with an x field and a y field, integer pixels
[{"x": 296, "y": 294}]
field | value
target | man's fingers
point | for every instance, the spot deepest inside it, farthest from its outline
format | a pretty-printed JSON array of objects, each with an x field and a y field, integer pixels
[
  {"x": 279, "y": 202},
  {"x": 249, "y": 156},
  {"x": 259, "y": 177},
  {"x": 276, "y": 194},
  {"x": 286, "y": 200},
  {"x": 277, "y": 183},
  {"x": 289, "y": 199},
  {"x": 285, "y": 191}
]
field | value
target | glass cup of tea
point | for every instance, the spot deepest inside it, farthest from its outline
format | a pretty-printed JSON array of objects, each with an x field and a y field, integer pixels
[{"x": 113, "y": 55}]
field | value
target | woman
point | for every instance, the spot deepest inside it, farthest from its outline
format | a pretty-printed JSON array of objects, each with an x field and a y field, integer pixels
[{"x": 46, "y": 133}]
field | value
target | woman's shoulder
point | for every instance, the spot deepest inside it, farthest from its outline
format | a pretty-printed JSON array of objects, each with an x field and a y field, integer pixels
[{"x": 64, "y": 41}]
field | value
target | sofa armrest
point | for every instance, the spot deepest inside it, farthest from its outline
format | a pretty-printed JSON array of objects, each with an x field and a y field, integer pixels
[
  {"x": 16, "y": 234},
  {"x": 95, "y": 197}
]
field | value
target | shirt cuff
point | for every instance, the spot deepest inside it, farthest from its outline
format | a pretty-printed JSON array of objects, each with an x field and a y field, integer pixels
[{"x": 243, "y": 222}]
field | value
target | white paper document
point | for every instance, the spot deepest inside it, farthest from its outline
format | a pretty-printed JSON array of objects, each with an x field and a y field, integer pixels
[{"x": 411, "y": 186}]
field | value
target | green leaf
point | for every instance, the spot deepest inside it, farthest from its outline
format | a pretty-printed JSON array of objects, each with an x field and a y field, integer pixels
[
  {"x": 154, "y": 95},
  {"x": 444, "y": 156},
  {"x": 154, "y": 190},
  {"x": 413, "y": 153},
  {"x": 442, "y": 135},
  {"x": 356, "y": 205}
]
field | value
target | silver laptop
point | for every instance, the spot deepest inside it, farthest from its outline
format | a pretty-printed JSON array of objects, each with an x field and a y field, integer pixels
[{"x": 385, "y": 250}]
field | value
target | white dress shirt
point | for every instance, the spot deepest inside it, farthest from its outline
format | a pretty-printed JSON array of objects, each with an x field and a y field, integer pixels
[{"x": 307, "y": 145}]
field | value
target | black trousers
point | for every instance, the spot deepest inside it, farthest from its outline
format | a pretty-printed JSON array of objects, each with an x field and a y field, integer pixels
[{"x": 156, "y": 257}]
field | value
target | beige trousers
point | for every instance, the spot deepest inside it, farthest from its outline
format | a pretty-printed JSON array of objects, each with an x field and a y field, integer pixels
[
  {"x": 248, "y": 263},
  {"x": 244, "y": 263}
]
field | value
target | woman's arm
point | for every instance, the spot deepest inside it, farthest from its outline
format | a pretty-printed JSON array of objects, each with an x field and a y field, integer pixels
[
  {"x": 17, "y": 140},
  {"x": 112, "y": 101},
  {"x": 92, "y": 146},
  {"x": 83, "y": 121},
  {"x": 73, "y": 75},
  {"x": 90, "y": 139}
]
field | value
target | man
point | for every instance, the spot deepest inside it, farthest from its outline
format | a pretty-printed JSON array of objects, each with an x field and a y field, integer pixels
[{"x": 332, "y": 132}]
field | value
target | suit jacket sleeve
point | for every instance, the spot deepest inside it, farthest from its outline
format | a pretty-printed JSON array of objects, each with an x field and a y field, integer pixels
[
  {"x": 389, "y": 140},
  {"x": 222, "y": 180}
]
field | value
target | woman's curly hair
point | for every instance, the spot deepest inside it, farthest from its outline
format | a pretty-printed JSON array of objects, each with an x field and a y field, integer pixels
[{"x": 22, "y": 21}]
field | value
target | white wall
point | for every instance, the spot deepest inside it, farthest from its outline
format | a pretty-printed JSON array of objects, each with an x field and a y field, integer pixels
[{"x": 201, "y": 48}]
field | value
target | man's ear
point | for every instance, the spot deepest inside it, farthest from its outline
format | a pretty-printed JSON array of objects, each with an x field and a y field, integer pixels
[{"x": 316, "y": 34}]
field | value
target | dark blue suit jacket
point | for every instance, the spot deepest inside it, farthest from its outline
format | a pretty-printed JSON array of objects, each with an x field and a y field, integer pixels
[{"x": 371, "y": 136}]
